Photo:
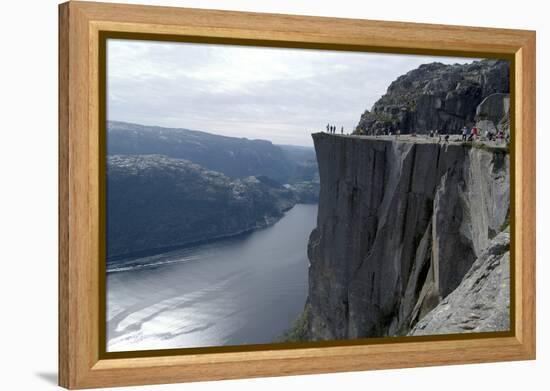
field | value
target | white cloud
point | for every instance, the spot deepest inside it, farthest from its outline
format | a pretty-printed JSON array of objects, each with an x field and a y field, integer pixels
[{"x": 277, "y": 94}]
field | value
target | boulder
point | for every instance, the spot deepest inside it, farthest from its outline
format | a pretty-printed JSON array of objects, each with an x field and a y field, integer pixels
[
  {"x": 485, "y": 126},
  {"x": 494, "y": 108}
]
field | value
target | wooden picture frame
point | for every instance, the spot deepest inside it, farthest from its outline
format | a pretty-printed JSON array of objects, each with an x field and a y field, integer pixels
[{"x": 83, "y": 363}]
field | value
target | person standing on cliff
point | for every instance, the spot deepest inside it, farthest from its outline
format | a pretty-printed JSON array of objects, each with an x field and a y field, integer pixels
[
  {"x": 328, "y": 128},
  {"x": 464, "y": 133},
  {"x": 470, "y": 135},
  {"x": 342, "y": 130}
]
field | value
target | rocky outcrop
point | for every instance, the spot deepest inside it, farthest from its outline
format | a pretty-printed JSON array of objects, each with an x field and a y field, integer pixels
[
  {"x": 436, "y": 96},
  {"x": 482, "y": 300},
  {"x": 155, "y": 202},
  {"x": 494, "y": 107},
  {"x": 493, "y": 113},
  {"x": 399, "y": 226}
]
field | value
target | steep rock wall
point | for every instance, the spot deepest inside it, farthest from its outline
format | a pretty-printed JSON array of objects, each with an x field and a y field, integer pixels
[
  {"x": 399, "y": 225},
  {"x": 482, "y": 300}
]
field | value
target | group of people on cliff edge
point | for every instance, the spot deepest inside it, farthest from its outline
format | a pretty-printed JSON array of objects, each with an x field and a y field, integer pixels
[
  {"x": 474, "y": 133},
  {"x": 332, "y": 129},
  {"x": 469, "y": 134}
]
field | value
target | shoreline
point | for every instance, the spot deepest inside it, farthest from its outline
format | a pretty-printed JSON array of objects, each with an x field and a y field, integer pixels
[{"x": 185, "y": 245}]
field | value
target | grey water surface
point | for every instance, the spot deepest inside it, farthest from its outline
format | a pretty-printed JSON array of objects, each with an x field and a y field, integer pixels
[{"x": 242, "y": 290}]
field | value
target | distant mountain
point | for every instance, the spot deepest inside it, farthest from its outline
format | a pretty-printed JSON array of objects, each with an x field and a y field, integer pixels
[
  {"x": 298, "y": 153},
  {"x": 156, "y": 202},
  {"x": 232, "y": 156},
  {"x": 304, "y": 163}
]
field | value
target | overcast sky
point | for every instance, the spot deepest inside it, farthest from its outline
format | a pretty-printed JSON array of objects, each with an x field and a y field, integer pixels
[{"x": 282, "y": 95}]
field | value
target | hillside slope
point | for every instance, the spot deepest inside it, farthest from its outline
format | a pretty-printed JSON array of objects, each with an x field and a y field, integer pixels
[{"x": 155, "y": 202}]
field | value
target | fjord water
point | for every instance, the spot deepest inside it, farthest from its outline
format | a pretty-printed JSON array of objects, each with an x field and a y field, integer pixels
[{"x": 241, "y": 290}]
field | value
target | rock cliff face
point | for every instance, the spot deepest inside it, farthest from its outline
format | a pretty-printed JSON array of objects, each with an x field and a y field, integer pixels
[
  {"x": 399, "y": 226},
  {"x": 436, "y": 96},
  {"x": 482, "y": 300}
]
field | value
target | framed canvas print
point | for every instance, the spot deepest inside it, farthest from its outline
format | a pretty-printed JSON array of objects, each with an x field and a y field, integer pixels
[{"x": 248, "y": 195}]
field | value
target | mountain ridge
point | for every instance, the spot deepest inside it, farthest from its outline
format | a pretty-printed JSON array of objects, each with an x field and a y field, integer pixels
[{"x": 233, "y": 156}]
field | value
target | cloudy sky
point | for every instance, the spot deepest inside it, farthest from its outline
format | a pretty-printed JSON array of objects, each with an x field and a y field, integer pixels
[{"x": 282, "y": 95}]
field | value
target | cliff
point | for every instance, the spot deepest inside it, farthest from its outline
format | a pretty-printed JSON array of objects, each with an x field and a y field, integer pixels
[
  {"x": 438, "y": 96},
  {"x": 400, "y": 225},
  {"x": 155, "y": 202}
]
